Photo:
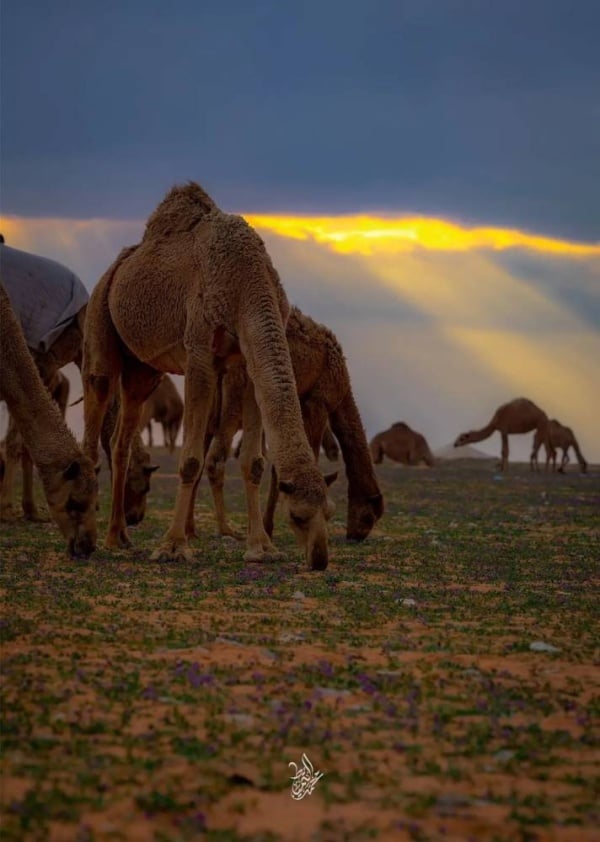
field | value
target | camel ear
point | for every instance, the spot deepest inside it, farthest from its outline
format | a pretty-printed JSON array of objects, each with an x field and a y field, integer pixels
[
  {"x": 330, "y": 478},
  {"x": 287, "y": 486},
  {"x": 73, "y": 471},
  {"x": 149, "y": 469}
]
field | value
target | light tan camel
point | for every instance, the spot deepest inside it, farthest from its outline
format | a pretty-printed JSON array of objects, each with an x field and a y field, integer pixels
[
  {"x": 518, "y": 416},
  {"x": 562, "y": 437},
  {"x": 199, "y": 289},
  {"x": 59, "y": 392},
  {"x": 68, "y": 477},
  {"x": 327, "y": 402},
  {"x": 401, "y": 444},
  {"x": 165, "y": 406}
]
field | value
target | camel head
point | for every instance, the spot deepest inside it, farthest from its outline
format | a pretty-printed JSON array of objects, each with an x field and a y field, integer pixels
[
  {"x": 363, "y": 514},
  {"x": 137, "y": 486},
  {"x": 464, "y": 438},
  {"x": 72, "y": 495},
  {"x": 309, "y": 508}
]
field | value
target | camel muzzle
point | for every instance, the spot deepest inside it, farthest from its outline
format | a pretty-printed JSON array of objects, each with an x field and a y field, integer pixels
[
  {"x": 317, "y": 555},
  {"x": 82, "y": 547}
]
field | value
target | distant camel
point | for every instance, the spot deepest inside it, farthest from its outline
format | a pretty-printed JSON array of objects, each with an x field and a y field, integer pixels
[
  {"x": 197, "y": 291},
  {"x": 59, "y": 392},
  {"x": 518, "y": 416},
  {"x": 49, "y": 301},
  {"x": 165, "y": 406},
  {"x": 401, "y": 444},
  {"x": 563, "y": 437},
  {"x": 68, "y": 477},
  {"x": 327, "y": 402}
]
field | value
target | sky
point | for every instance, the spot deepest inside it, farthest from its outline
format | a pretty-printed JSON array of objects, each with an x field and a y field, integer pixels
[{"x": 424, "y": 172}]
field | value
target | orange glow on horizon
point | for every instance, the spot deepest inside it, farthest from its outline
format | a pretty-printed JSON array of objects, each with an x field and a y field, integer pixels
[{"x": 363, "y": 234}]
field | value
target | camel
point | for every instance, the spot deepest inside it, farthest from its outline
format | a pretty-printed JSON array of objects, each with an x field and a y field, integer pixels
[
  {"x": 562, "y": 437},
  {"x": 165, "y": 406},
  {"x": 50, "y": 302},
  {"x": 194, "y": 294},
  {"x": 518, "y": 416},
  {"x": 401, "y": 444},
  {"x": 68, "y": 477},
  {"x": 59, "y": 392},
  {"x": 327, "y": 403},
  {"x": 330, "y": 446},
  {"x": 139, "y": 470}
]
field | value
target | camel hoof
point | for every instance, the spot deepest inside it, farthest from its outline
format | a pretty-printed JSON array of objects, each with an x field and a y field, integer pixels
[
  {"x": 36, "y": 517},
  {"x": 260, "y": 556},
  {"x": 230, "y": 532},
  {"x": 172, "y": 554},
  {"x": 119, "y": 541},
  {"x": 9, "y": 513}
]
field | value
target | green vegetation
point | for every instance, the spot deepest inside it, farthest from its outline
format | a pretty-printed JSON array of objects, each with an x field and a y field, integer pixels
[{"x": 164, "y": 702}]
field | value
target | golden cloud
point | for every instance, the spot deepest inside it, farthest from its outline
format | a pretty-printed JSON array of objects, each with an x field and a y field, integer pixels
[{"x": 367, "y": 235}]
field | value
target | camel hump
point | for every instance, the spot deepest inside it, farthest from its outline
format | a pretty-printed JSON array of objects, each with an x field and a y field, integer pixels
[
  {"x": 184, "y": 206},
  {"x": 400, "y": 425}
]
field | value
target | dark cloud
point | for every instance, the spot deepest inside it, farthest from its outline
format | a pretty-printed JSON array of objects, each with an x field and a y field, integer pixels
[{"x": 485, "y": 111}]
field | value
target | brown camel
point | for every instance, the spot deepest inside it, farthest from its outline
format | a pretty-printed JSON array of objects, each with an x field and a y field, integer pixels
[
  {"x": 165, "y": 406},
  {"x": 327, "y": 402},
  {"x": 49, "y": 301},
  {"x": 401, "y": 444},
  {"x": 197, "y": 291},
  {"x": 518, "y": 416},
  {"x": 330, "y": 446},
  {"x": 59, "y": 392},
  {"x": 139, "y": 470},
  {"x": 563, "y": 437},
  {"x": 68, "y": 477}
]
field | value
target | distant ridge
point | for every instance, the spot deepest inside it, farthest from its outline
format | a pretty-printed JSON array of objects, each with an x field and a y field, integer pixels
[{"x": 466, "y": 452}]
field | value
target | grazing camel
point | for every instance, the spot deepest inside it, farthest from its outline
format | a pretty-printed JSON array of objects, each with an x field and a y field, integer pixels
[
  {"x": 68, "y": 477},
  {"x": 197, "y": 291},
  {"x": 165, "y": 406},
  {"x": 563, "y": 437},
  {"x": 139, "y": 470},
  {"x": 401, "y": 444},
  {"x": 518, "y": 416},
  {"x": 50, "y": 302},
  {"x": 326, "y": 399},
  {"x": 330, "y": 445},
  {"x": 59, "y": 392}
]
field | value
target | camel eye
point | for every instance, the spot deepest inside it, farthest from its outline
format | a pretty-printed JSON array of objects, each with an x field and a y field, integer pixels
[{"x": 299, "y": 521}]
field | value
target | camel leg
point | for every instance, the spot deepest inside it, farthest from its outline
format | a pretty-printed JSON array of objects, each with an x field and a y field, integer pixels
[
  {"x": 150, "y": 434},
  {"x": 200, "y": 387},
  {"x": 504, "y": 461},
  {"x": 137, "y": 382},
  {"x": 252, "y": 463},
  {"x": 13, "y": 450},
  {"x": 216, "y": 461},
  {"x": 30, "y": 510},
  {"x": 315, "y": 420},
  {"x": 269, "y": 516}
]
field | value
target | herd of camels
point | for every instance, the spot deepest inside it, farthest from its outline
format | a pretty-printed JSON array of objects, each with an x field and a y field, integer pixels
[{"x": 200, "y": 297}]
